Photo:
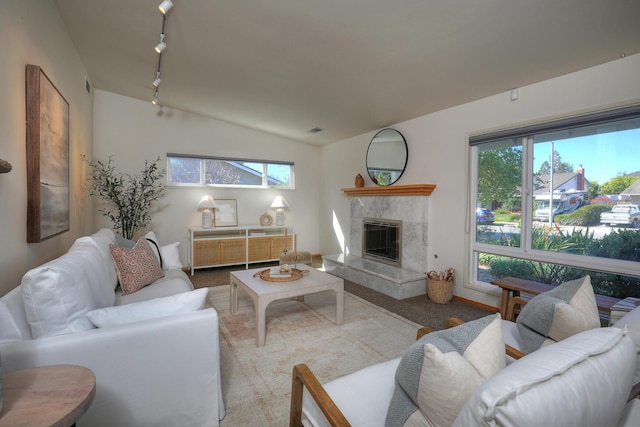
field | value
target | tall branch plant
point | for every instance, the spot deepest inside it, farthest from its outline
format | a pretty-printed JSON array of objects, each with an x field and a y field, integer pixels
[{"x": 129, "y": 197}]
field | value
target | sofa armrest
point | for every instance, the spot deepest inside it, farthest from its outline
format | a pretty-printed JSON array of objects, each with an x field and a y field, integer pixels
[
  {"x": 163, "y": 371},
  {"x": 303, "y": 377}
]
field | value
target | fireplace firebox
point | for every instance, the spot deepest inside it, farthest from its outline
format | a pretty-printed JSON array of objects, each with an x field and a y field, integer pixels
[{"x": 382, "y": 240}]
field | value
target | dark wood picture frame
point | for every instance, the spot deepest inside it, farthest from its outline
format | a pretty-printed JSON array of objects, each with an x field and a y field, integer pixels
[{"x": 48, "y": 196}]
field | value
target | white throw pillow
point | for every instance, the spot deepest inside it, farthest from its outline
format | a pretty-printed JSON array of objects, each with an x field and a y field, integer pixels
[
  {"x": 566, "y": 310},
  {"x": 151, "y": 309},
  {"x": 583, "y": 380},
  {"x": 170, "y": 256},
  {"x": 442, "y": 370}
]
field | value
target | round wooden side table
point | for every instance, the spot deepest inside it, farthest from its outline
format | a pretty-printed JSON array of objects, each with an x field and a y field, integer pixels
[{"x": 56, "y": 395}]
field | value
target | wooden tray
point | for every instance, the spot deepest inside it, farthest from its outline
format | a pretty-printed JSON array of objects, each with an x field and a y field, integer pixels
[{"x": 295, "y": 275}]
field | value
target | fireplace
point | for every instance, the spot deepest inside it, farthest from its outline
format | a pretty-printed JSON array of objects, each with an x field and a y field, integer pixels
[{"x": 382, "y": 240}]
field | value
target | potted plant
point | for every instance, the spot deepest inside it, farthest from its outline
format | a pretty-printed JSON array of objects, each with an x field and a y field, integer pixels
[{"x": 129, "y": 197}]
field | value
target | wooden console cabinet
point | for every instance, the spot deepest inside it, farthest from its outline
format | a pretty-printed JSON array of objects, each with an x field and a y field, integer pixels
[{"x": 214, "y": 247}]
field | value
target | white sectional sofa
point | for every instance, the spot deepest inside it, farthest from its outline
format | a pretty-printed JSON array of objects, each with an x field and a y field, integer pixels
[{"x": 155, "y": 355}]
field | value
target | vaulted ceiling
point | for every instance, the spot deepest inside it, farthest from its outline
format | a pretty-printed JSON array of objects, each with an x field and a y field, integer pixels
[{"x": 346, "y": 66}]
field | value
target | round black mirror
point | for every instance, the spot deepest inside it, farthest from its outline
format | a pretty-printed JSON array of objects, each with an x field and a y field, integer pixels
[{"x": 387, "y": 157}]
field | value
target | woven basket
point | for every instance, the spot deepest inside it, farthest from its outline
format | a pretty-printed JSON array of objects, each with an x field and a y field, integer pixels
[{"x": 440, "y": 291}]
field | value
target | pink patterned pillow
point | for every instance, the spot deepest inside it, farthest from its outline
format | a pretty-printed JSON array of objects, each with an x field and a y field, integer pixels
[{"x": 137, "y": 267}]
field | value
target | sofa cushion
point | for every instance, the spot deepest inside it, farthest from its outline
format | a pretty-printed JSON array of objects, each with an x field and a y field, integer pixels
[
  {"x": 441, "y": 371},
  {"x": 58, "y": 294},
  {"x": 151, "y": 309},
  {"x": 174, "y": 282},
  {"x": 583, "y": 380},
  {"x": 557, "y": 314},
  {"x": 137, "y": 267}
]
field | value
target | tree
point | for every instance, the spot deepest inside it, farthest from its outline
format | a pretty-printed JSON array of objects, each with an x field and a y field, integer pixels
[
  {"x": 130, "y": 195},
  {"x": 499, "y": 174},
  {"x": 558, "y": 165},
  {"x": 617, "y": 184}
]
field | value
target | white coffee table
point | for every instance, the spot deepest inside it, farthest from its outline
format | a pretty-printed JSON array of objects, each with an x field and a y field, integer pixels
[{"x": 263, "y": 292}]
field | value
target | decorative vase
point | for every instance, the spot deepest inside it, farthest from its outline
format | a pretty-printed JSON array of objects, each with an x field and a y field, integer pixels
[{"x": 359, "y": 181}]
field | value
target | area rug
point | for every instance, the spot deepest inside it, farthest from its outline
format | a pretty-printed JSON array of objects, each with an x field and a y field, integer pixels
[{"x": 256, "y": 381}]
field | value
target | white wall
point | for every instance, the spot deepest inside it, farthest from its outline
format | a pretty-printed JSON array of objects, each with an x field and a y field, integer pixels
[
  {"x": 33, "y": 33},
  {"x": 133, "y": 131},
  {"x": 438, "y": 151}
]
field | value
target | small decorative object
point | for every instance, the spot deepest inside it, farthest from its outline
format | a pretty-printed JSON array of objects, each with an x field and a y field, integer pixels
[
  {"x": 206, "y": 204},
  {"x": 266, "y": 220},
  {"x": 279, "y": 203},
  {"x": 269, "y": 277},
  {"x": 5, "y": 167},
  {"x": 119, "y": 189},
  {"x": 226, "y": 213},
  {"x": 359, "y": 181},
  {"x": 440, "y": 286}
]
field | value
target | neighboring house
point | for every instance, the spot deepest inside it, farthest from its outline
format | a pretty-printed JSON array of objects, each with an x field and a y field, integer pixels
[
  {"x": 632, "y": 192},
  {"x": 563, "y": 183}
]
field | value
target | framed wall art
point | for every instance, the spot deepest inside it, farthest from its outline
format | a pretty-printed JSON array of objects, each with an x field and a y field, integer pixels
[
  {"x": 226, "y": 213},
  {"x": 47, "y": 157}
]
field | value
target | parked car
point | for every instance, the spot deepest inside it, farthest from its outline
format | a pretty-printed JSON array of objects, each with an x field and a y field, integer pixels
[
  {"x": 484, "y": 216},
  {"x": 624, "y": 214}
]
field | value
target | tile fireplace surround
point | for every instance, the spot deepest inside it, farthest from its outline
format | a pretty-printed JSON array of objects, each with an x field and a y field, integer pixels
[{"x": 407, "y": 203}]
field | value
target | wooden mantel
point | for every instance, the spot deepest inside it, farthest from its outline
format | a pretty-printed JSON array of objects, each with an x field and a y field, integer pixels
[{"x": 392, "y": 190}]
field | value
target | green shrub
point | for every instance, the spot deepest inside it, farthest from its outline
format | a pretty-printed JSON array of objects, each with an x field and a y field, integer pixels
[
  {"x": 618, "y": 244},
  {"x": 585, "y": 216},
  {"x": 501, "y": 211}
]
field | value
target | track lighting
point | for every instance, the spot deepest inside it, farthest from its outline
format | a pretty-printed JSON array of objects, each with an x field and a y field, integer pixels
[
  {"x": 161, "y": 46},
  {"x": 165, "y": 6}
]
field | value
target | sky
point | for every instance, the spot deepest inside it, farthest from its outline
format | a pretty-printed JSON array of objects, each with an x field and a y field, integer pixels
[{"x": 602, "y": 156}]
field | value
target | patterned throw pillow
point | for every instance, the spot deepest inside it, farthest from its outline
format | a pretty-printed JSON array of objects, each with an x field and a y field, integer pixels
[
  {"x": 137, "y": 267},
  {"x": 442, "y": 370}
]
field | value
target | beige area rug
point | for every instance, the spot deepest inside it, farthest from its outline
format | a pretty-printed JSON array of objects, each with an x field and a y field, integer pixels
[{"x": 256, "y": 382}]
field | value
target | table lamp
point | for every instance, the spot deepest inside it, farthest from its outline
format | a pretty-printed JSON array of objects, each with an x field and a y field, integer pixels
[
  {"x": 206, "y": 204},
  {"x": 279, "y": 203}
]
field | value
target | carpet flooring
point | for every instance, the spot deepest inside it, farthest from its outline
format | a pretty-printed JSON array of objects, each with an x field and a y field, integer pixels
[
  {"x": 418, "y": 309},
  {"x": 256, "y": 381}
]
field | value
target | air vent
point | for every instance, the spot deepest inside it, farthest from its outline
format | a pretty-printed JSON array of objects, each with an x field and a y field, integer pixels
[{"x": 315, "y": 130}]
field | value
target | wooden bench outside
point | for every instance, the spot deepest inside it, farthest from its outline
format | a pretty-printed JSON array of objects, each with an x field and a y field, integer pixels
[{"x": 512, "y": 287}]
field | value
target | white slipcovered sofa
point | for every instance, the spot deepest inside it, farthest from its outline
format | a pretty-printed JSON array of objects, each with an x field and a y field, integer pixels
[
  {"x": 584, "y": 380},
  {"x": 155, "y": 355}
]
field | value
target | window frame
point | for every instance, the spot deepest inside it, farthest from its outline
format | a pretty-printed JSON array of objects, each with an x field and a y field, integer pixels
[
  {"x": 526, "y": 135},
  {"x": 203, "y": 159}
]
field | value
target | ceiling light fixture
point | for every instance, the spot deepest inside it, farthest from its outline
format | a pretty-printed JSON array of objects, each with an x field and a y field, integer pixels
[
  {"x": 165, "y": 6},
  {"x": 162, "y": 45}
]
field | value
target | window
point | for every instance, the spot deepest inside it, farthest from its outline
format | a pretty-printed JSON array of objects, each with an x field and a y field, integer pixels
[
  {"x": 217, "y": 171},
  {"x": 546, "y": 186}
]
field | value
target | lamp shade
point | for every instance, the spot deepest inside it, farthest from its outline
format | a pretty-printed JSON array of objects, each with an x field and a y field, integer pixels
[
  {"x": 165, "y": 6},
  {"x": 279, "y": 202},
  {"x": 206, "y": 202}
]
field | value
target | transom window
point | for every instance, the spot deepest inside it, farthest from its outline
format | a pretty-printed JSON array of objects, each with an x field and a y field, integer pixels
[
  {"x": 545, "y": 187},
  {"x": 186, "y": 170}
]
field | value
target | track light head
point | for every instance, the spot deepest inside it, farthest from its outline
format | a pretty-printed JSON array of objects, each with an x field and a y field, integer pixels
[
  {"x": 157, "y": 82},
  {"x": 160, "y": 47},
  {"x": 165, "y": 6},
  {"x": 155, "y": 101}
]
